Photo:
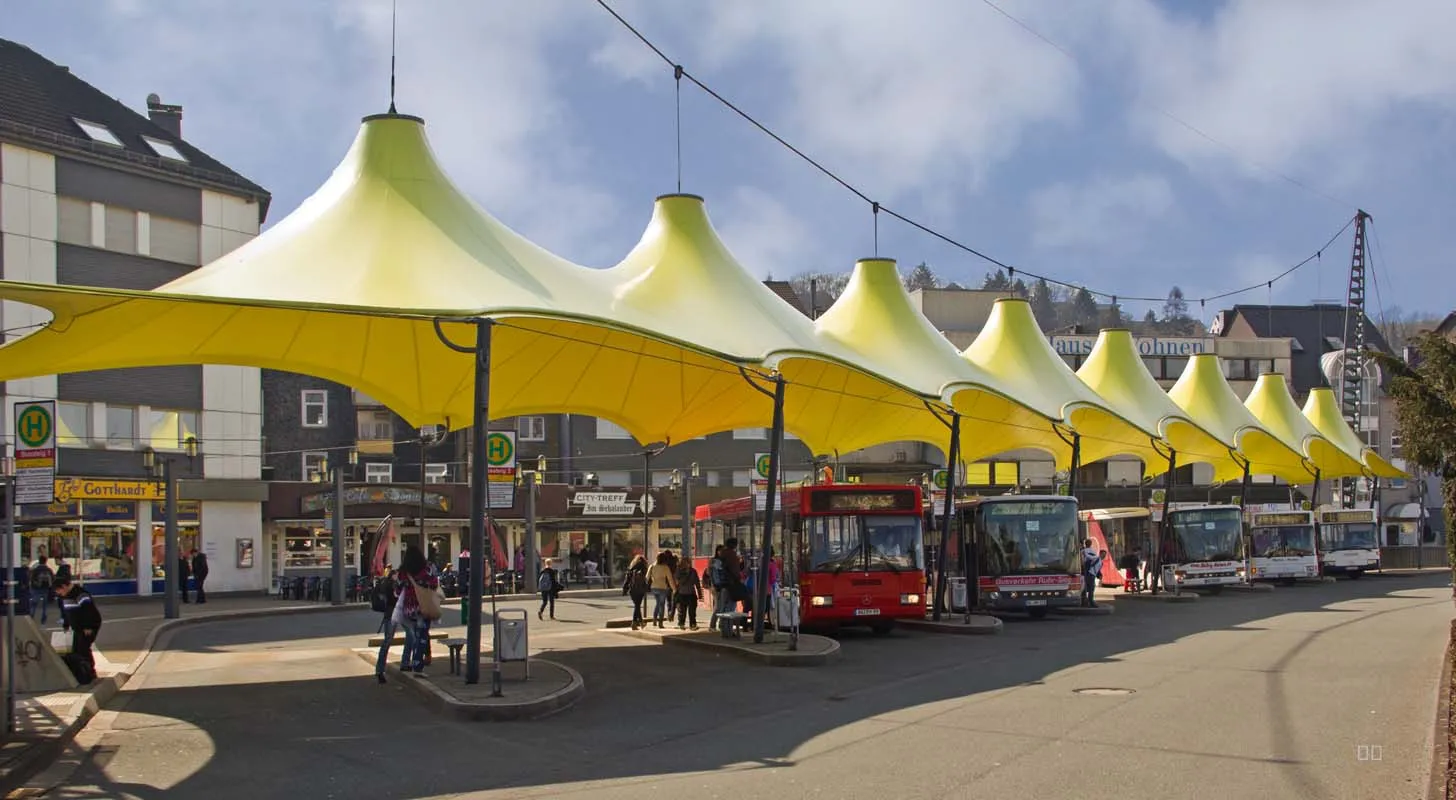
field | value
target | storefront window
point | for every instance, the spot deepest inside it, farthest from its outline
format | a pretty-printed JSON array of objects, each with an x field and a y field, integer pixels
[
  {"x": 187, "y": 541},
  {"x": 307, "y": 548}
]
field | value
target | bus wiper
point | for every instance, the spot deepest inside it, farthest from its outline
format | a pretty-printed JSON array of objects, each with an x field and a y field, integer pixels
[{"x": 886, "y": 562}]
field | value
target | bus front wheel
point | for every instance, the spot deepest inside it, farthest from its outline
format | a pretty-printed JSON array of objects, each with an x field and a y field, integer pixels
[{"x": 1355, "y": 574}]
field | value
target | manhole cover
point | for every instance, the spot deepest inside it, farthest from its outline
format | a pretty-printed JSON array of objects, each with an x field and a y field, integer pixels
[{"x": 1103, "y": 691}]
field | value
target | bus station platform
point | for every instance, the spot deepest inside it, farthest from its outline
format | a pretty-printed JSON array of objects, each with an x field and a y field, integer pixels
[
  {"x": 550, "y": 687},
  {"x": 813, "y": 650},
  {"x": 954, "y": 623}
]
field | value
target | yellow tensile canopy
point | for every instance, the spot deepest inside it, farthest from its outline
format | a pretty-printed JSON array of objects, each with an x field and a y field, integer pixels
[
  {"x": 348, "y": 287},
  {"x": 1116, "y": 372},
  {"x": 873, "y": 318},
  {"x": 1323, "y": 412},
  {"x": 1204, "y": 394},
  {"x": 1271, "y": 404},
  {"x": 1014, "y": 351}
]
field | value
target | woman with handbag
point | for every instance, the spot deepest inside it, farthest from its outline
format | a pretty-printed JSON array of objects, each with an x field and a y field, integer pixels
[{"x": 419, "y": 604}]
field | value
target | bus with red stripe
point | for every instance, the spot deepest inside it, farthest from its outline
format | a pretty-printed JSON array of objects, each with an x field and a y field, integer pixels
[
  {"x": 1028, "y": 551},
  {"x": 856, "y": 551}
]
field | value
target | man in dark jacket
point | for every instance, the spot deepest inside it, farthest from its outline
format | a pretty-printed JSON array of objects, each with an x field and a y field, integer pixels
[
  {"x": 184, "y": 570},
  {"x": 199, "y": 573},
  {"x": 82, "y": 618}
]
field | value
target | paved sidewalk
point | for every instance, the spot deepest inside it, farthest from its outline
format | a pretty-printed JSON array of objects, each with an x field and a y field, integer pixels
[{"x": 812, "y": 650}]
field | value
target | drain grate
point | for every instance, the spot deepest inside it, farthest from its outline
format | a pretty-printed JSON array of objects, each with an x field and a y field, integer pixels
[{"x": 1103, "y": 691}]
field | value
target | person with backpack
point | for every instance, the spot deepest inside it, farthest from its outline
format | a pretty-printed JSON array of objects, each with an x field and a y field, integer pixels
[
  {"x": 689, "y": 593},
  {"x": 415, "y": 608},
  {"x": 42, "y": 579},
  {"x": 548, "y": 583},
  {"x": 82, "y": 618},
  {"x": 634, "y": 584},
  {"x": 1091, "y": 568},
  {"x": 717, "y": 580},
  {"x": 382, "y": 599}
]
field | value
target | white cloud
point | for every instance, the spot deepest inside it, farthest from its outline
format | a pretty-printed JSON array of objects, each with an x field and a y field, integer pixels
[
  {"x": 764, "y": 235},
  {"x": 1296, "y": 86},
  {"x": 1105, "y": 213},
  {"x": 896, "y": 98}
]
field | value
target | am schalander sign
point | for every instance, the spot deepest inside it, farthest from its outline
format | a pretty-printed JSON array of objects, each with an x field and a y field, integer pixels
[{"x": 35, "y": 452}]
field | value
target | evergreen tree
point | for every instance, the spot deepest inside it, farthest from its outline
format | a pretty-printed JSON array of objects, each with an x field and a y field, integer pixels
[
  {"x": 1175, "y": 314},
  {"x": 1084, "y": 308},
  {"x": 1019, "y": 288},
  {"x": 922, "y": 277},
  {"x": 1043, "y": 306},
  {"x": 997, "y": 281},
  {"x": 1150, "y": 323}
]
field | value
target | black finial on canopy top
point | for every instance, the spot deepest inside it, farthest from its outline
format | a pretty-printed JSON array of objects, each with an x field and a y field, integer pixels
[{"x": 393, "y": 40}]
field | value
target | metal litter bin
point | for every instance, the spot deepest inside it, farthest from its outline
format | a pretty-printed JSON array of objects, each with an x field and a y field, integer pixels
[
  {"x": 511, "y": 640},
  {"x": 958, "y": 599}
]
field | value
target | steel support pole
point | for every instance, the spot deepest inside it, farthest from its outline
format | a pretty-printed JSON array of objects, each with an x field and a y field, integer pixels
[
  {"x": 1243, "y": 533},
  {"x": 479, "y": 507},
  {"x": 776, "y": 441},
  {"x": 424, "y": 537},
  {"x": 1163, "y": 525},
  {"x": 687, "y": 519},
  {"x": 1076, "y": 465},
  {"x": 953, "y": 454},
  {"x": 533, "y": 567},
  {"x": 646, "y": 491},
  {"x": 10, "y": 603},
  {"x": 170, "y": 606},
  {"x": 336, "y": 596}
]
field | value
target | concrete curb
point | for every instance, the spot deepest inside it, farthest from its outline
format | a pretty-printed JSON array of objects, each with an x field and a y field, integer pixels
[
  {"x": 990, "y": 628},
  {"x": 1165, "y": 597},
  {"x": 44, "y": 753},
  {"x": 1250, "y": 587},
  {"x": 588, "y": 594},
  {"x": 443, "y": 702},
  {"x": 1439, "y": 788},
  {"x": 781, "y": 659},
  {"x": 1104, "y": 610}
]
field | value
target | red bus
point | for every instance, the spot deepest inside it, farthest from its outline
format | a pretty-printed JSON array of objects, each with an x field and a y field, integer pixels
[{"x": 855, "y": 551}]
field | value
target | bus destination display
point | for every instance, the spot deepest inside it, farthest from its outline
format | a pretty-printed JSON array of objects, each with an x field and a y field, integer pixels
[
  {"x": 1347, "y": 517},
  {"x": 1275, "y": 520},
  {"x": 863, "y": 501}
]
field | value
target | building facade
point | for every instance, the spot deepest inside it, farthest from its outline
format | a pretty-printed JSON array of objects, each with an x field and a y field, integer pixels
[{"x": 94, "y": 193}]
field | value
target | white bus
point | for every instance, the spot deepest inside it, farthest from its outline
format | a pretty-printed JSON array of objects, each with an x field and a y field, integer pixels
[
  {"x": 1203, "y": 546},
  {"x": 1348, "y": 540},
  {"x": 1282, "y": 546}
]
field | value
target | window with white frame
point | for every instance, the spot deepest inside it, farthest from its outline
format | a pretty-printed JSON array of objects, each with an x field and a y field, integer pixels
[
  {"x": 378, "y": 472},
  {"x": 531, "y": 429},
  {"x": 375, "y": 426},
  {"x": 120, "y": 426},
  {"x": 742, "y": 477},
  {"x": 606, "y": 429},
  {"x": 714, "y": 478},
  {"x": 750, "y": 433},
  {"x": 315, "y": 408},
  {"x": 437, "y": 473},
  {"x": 75, "y": 424},
  {"x": 313, "y": 466},
  {"x": 1395, "y": 444}
]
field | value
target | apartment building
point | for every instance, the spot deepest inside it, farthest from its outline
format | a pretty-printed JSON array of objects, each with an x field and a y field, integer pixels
[{"x": 95, "y": 193}]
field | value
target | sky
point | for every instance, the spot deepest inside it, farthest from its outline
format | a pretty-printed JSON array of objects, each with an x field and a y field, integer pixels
[{"x": 1125, "y": 145}]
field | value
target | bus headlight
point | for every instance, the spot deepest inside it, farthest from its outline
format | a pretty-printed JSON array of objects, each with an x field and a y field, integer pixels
[
  {"x": 821, "y": 600},
  {"x": 1239, "y": 572},
  {"x": 909, "y": 599},
  {"x": 1180, "y": 575},
  {"x": 993, "y": 595}
]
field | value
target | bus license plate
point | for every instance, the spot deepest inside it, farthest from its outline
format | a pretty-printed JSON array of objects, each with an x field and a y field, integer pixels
[
  {"x": 866, "y": 612},
  {"x": 1036, "y": 602}
]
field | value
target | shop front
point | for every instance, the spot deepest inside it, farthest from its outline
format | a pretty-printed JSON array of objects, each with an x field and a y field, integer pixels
[
  {"x": 94, "y": 526},
  {"x": 605, "y": 527}
]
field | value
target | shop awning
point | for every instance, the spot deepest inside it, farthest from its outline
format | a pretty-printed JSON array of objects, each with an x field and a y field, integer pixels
[
  {"x": 1323, "y": 412},
  {"x": 1205, "y": 395},
  {"x": 1116, "y": 372},
  {"x": 1013, "y": 350},
  {"x": 1271, "y": 404}
]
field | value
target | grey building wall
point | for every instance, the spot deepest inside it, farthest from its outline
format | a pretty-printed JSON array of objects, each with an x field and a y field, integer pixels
[
  {"x": 103, "y": 463},
  {"x": 284, "y": 435},
  {"x": 720, "y": 453},
  {"x": 114, "y": 187}
]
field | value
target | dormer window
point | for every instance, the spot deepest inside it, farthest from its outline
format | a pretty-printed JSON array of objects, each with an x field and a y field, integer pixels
[
  {"x": 97, "y": 132},
  {"x": 165, "y": 149}
]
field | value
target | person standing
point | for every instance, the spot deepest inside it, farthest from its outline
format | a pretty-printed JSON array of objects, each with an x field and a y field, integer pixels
[
  {"x": 42, "y": 580},
  {"x": 414, "y": 579},
  {"x": 689, "y": 593},
  {"x": 382, "y": 599},
  {"x": 634, "y": 585},
  {"x": 184, "y": 570},
  {"x": 1091, "y": 567},
  {"x": 82, "y": 618},
  {"x": 548, "y": 583},
  {"x": 199, "y": 573},
  {"x": 663, "y": 584}
]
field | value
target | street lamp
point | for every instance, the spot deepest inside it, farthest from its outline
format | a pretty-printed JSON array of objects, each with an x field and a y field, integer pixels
[
  {"x": 337, "y": 579},
  {"x": 532, "y": 482},
  {"x": 683, "y": 484},
  {"x": 160, "y": 466}
]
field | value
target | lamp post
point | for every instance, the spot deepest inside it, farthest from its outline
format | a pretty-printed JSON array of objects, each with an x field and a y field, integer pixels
[
  {"x": 430, "y": 435},
  {"x": 531, "y": 480},
  {"x": 683, "y": 485},
  {"x": 160, "y": 466},
  {"x": 336, "y": 472}
]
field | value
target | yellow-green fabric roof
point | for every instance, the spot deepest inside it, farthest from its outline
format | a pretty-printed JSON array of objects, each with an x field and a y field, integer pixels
[
  {"x": 348, "y": 286},
  {"x": 1012, "y": 349},
  {"x": 1116, "y": 372},
  {"x": 1206, "y": 397},
  {"x": 874, "y": 319},
  {"x": 1323, "y": 412},
  {"x": 1271, "y": 404}
]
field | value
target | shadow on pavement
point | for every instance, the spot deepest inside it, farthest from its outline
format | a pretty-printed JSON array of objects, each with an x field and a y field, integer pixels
[{"x": 649, "y": 710}]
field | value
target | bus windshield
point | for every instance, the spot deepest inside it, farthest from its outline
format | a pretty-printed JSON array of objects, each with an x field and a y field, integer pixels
[
  {"x": 1285, "y": 540},
  {"x": 1028, "y": 537},
  {"x": 1211, "y": 534},
  {"x": 878, "y": 543},
  {"x": 1348, "y": 537}
]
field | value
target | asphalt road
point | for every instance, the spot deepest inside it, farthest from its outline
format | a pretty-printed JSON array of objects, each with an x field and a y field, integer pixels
[{"x": 1309, "y": 692}]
